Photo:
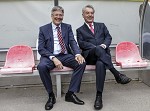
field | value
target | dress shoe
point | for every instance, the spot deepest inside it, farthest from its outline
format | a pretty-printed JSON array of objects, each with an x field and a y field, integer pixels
[
  {"x": 50, "y": 102},
  {"x": 98, "y": 103},
  {"x": 123, "y": 79},
  {"x": 73, "y": 98}
]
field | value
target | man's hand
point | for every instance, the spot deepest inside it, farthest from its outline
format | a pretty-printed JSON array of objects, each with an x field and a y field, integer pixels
[
  {"x": 80, "y": 59},
  {"x": 57, "y": 63}
]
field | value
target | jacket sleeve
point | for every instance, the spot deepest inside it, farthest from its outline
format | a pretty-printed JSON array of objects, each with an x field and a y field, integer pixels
[
  {"x": 42, "y": 49},
  {"x": 72, "y": 42},
  {"x": 108, "y": 37}
]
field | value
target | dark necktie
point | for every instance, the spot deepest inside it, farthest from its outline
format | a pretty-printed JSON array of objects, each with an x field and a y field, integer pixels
[
  {"x": 91, "y": 28},
  {"x": 61, "y": 41}
]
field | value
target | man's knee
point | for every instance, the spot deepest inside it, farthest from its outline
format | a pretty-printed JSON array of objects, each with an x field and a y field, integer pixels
[
  {"x": 100, "y": 63},
  {"x": 83, "y": 65},
  {"x": 99, "y": 50},
  {"x": 41, "y": 66}
]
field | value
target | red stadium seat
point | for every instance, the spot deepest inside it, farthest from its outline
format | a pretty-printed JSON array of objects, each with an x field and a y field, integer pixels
[
  {"x": 19, "y": 59},
  {"x": 128, "y": 56}
]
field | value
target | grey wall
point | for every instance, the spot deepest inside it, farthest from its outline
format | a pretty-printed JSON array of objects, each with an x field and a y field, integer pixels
[
  {"x": 121, "y": 17},
  {"x": 20, "y": 20}
]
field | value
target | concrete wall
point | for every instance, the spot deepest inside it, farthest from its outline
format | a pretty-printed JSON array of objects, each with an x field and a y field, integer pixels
[{"x": 20, "y": 20}]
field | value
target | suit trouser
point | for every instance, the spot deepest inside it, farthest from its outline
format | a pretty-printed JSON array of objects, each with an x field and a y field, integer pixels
[
  {"x": 98, "y": 56},
  {"x": 68, "y": 60}
]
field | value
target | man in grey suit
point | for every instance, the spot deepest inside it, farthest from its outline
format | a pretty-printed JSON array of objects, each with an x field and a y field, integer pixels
[
  {"x": 58, "y": 48},
  {"x": 94, "y": 40}
]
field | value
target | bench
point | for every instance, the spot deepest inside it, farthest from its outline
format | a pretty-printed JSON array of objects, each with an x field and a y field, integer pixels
[
  {"x": 66, "y": 71},
  {"x": 89, "y": 69}
]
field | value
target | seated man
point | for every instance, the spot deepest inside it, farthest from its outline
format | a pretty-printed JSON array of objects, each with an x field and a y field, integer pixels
[
  {"x": 94, "y": 40},
  {"x": 55, "y": 45}
]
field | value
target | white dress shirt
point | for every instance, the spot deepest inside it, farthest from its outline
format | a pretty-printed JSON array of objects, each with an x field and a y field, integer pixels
[
  {"x": 57, "y": 47},
  {"x": 89, "y": 25}
]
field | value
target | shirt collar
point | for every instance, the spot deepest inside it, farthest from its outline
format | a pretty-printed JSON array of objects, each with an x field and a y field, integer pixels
[
  {"x": 88, "y": 24},
  {"x": 54, "y": 26}
]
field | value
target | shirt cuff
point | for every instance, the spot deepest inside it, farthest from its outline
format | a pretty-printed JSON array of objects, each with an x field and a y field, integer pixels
[
  {"x": 51, "y": 57},
  {"x": 77, "y": 54},
  {"x": 103, "y": 45}
]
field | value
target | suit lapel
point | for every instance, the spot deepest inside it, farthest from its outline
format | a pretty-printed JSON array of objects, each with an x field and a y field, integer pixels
[
  {"x": 88, "y": 30},
  {"x": 95, "y": 28},
  {"x": 63, "y": 31},
  {"x": 98, "y": 29}
]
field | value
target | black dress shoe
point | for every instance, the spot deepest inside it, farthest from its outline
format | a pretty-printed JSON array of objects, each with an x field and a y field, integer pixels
[
  {"x": 98, "y": 103},
  {"x": 73, "y": 98},
  {"x": 50, "y": 102},
  {"x": 123, "y": 79}
]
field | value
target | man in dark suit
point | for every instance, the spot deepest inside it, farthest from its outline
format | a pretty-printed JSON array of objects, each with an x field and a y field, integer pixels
[
  {"x": 58, "y": 48},
  {"x": 94, "y": 40}
]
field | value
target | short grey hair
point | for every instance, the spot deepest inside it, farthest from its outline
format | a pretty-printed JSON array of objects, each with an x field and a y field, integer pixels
[
  {"x": 88, "y": 6},
  {"x": 57, "y": 8}
]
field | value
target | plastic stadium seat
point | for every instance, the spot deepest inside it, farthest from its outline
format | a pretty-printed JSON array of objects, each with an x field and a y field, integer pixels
[
  {"x": 19, "y": 59},
  {"x": 128, "y": 56}
]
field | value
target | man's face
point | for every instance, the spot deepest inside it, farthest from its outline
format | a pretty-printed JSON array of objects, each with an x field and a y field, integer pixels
[
  {"x": 57, "y": 17},
  {"x": 88, "y": 15}
]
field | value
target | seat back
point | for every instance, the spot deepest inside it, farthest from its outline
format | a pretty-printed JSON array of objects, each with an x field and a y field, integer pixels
[
  {"x": 19, "y": 56},
  {"x": 127, "y": 55}
]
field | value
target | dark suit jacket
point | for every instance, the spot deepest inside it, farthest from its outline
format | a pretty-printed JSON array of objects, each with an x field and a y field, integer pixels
[
  {"x": 46, "y": 40},
  {"x": 87, "y": 40}
]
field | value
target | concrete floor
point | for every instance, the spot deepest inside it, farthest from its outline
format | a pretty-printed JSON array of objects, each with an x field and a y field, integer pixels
[{"x": 134, "y": 96}]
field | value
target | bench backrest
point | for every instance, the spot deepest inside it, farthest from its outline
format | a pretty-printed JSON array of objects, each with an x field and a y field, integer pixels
[
  {"x": 19, "y": 56},
  {"x": 127, "y": 55},
  {"x": 127, "y": 51}
]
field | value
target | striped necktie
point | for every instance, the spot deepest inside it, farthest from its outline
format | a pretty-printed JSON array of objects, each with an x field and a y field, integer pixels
[
  {"x": 91, "y": 28},
  {"x": 61, "y": 41}
]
